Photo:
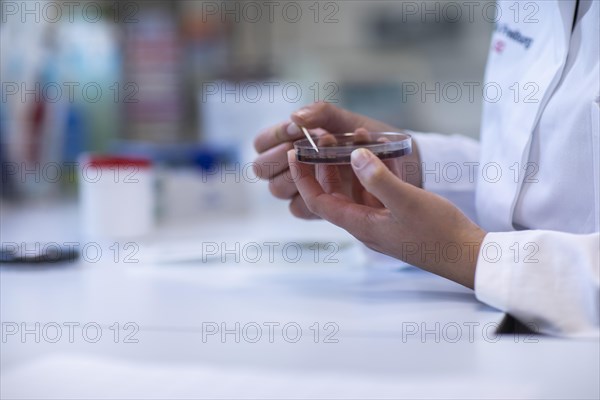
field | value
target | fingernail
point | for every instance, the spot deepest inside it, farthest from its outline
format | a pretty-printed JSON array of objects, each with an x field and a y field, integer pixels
[
  {"x": 291, "y": 155},
  {"x": 293, "y": 129},
  {"x": 302, "y": 114},
  {"x": 359, "y": 158}
]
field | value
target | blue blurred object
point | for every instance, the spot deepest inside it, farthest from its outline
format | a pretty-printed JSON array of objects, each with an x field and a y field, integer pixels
[
  {"x": 7, "y": 188},
  {"x": 203, "y": 156},
  {"x": 75, "y": 134}
]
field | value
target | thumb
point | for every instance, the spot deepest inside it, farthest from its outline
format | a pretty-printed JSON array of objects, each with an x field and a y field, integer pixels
[
  {"x": 328, "y": 117},
  {"x": 378, "y": 180}
]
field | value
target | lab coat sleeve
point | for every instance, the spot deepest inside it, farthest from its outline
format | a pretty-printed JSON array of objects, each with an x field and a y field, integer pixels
[
  {"x": 449, "y": 165},
  {"x": 548, "y": 280}
]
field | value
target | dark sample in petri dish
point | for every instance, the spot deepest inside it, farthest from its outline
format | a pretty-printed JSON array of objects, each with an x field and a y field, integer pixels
[
  {"x": 337, "y": 148},
  {"x": 345, "y": 159}
]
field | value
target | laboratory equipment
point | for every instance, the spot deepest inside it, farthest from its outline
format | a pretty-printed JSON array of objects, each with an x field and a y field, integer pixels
[{"x": 336, "y": 148}]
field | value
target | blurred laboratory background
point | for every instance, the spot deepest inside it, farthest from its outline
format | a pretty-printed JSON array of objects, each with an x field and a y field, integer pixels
[{"x": 186, "y": 86}]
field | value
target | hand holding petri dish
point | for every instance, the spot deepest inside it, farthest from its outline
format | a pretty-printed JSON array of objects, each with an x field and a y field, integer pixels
[{"x": 336, "y": 148}]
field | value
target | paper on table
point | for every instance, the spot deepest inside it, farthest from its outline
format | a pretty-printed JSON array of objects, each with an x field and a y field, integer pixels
[{"x": 70, "y": 377}]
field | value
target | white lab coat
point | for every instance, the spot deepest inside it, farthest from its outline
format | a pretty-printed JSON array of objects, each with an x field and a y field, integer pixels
[{"x": 533, "y": 180}]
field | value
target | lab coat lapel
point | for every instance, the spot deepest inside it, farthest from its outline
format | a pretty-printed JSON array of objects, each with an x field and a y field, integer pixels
[{"x": 527, "y": 58}]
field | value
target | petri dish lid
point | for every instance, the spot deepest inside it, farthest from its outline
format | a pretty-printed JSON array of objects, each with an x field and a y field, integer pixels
[{"x": 336, "y": 148}]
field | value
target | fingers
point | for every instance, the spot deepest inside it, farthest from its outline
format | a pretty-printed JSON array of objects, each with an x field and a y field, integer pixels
[
  {"x": 378, "y": 180},
  {"x": 361, "y": 135},
  {"x": 321, "y": 115},
  {"x": 272, "y": 145},
  {"x": 393, "y": 164},
  {"x": 327, "y": 116},
  {"x": 282, "y": 186},
  {"x": 328, "y": 175},
  {"x": 273, "y": 136},
  {"x": 299, "y": 209},
  {"x": 329, "y": 178},
  {"x": 273, "y": 161},
  {"x": 335, "y": 209}
]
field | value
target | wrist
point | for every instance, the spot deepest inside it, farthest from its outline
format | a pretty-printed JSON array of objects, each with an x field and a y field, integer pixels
[{"x": 471, "y": 248}]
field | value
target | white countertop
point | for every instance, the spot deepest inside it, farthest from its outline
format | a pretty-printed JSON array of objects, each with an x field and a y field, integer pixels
[{"x": 383, "y": 331}]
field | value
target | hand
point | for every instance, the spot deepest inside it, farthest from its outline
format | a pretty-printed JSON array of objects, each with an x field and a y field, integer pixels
[
  {"x": 411, "y": 224},
  {"x": 321, "y": 118}
]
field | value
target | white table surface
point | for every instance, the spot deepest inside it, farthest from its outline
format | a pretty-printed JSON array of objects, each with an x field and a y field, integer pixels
[{"x": 171, "y": 304}]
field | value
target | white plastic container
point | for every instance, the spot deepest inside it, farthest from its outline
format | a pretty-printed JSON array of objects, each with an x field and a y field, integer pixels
[{"x": 117, "y": 197}]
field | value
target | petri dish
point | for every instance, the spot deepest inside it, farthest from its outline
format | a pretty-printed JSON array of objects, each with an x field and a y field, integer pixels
[{"x": 336, "y": 148}]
